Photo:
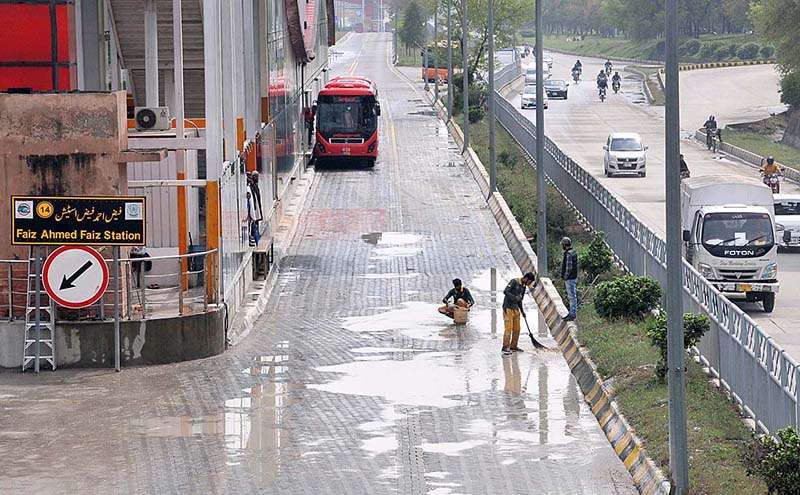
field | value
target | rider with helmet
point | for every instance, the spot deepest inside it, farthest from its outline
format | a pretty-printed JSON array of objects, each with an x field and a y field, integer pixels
[
  {"x": 616, "y": 79},
  {"x": 770, "y": 167},
  {"x": 578, "y": 66},
  {"x": 608, "y": 66}
]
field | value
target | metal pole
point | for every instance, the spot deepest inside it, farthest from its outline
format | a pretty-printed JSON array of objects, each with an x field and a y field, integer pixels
[
  {"x": 449, "y": 63},
  {"x": 37, "y": 312},
  {"x": 151, "y": 52},
  {"x": 116, "y": 308},
  {"x": 492, "y": 164},
  {"x": 679, "y": 464},
  {"x": 435, "y": 54},
  {"x": 425, "y": 54},
  {"x": 10, "y": 293},
  {"x": 464, "y": 72},
  {"x": 541, "y": 184},
  {"x": 394, "y": 32}
]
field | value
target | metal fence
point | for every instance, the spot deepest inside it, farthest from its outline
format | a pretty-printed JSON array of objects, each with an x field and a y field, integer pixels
[
  {"x": 759, "y": 375},
  {"x": 152, "y": 287}
]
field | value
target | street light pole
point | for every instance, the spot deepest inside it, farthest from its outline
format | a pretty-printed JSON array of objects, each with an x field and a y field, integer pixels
[
  {"x": 394, "y": 31},
  {"x": 678, "y": 460},
  {"x": 465, "y": 72},
  {"x": 541, "y": 184},
  {"x": 492, "y": 163},
  {"x": 449, "y": 63},
  {"x": 435, "y": 54}
]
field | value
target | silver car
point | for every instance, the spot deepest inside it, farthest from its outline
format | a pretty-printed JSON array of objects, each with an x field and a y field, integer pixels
[
  {"x": 625, "y": 153},
  {"x": 528, "y": 98},
  {"x": 787, "y": 220}
]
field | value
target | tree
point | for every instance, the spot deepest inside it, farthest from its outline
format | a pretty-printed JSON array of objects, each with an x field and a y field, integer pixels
[
  {"x": 412, "y": 32},
  {"x": 509, "y": 16},
  {"x": 777, "y": 21}
]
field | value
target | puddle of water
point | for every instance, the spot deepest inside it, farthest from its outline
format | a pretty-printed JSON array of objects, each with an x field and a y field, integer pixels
[
  {"x": 382, "y": 350},
  {"x": 451, "y": 448},
  {"x": 379, "y": 276}
]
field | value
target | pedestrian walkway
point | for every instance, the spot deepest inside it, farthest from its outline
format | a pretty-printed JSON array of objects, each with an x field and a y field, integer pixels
[{"x": 351, "y": 382}]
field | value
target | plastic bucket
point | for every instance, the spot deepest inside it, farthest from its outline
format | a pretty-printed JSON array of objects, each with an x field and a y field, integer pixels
[{"x": 460, "y": 315}]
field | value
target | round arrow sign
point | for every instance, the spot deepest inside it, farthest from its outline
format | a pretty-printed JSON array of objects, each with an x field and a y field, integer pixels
[{"x": 75, "y": 276}]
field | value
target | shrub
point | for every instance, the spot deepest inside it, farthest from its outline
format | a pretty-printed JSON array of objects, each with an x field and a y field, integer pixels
[
  {"x": 790, "y": 89},
  {"x": 694, "y": 327},
  {"x": 476, "y": 113},
  {"x": 690, "y": 47},
  {"x": 627, "y": 296},
  {"x": 748, "y": 51},
  {"x": 724, "y": 52},
  {"x": 527, "y": 34},
  {"x": 767, "y": 52},
  {"x": 707, "y": 50},
  {"x": 775, "y": 462},
  {"x": 597, "y": 258}
]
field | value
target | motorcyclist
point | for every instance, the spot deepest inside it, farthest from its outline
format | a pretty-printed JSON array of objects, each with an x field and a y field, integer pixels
[
  {"x": 770, "y": 167},
  {"x": 710, "y": 127},
  {"x": 578, "y": 66},
  {"x": 602, "y": 80},
  {"x": 609, "y": 65},
  {"x": 616, "y": 79},
  {"x": 684, "y": 168}
]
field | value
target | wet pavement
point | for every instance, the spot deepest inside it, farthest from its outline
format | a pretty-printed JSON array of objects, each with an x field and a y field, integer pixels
[{"x": 351, "y": 382}]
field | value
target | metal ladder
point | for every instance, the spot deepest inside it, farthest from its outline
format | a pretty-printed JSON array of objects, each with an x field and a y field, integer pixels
[{"x": 44, "y": 312}]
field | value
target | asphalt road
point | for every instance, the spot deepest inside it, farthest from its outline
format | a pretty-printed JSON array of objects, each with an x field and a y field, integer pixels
[{"x": 581, "y": 124}]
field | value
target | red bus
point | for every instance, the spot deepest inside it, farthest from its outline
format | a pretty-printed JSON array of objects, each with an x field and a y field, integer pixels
[{"x": 347, "y": 121}]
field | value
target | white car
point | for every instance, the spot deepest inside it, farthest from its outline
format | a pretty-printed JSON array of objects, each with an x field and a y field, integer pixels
[
  {"x": 528, "y": 98},
  {"x": 625, "y": 153},
  {"x": 530, "y": 74},
  {"x": 787, "y": 220}
]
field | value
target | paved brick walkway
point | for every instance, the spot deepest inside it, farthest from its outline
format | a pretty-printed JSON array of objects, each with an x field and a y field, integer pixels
[{"x": 351, "y": 383}]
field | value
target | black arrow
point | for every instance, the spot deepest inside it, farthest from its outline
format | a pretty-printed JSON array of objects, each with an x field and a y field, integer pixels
[{"x": 66, "y": 283}]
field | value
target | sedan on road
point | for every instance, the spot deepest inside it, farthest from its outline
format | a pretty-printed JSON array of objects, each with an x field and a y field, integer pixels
[
  {"x": 528, "y": 98},
  {"x": 787, "y": 220},
  {"x": 625, "y": 153},
  {"x": 556, "y": 88},
  {"x": 530, "y": 74}
]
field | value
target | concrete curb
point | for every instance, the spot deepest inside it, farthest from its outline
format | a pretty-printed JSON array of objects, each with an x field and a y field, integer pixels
[
  {"x": 647, "y": 477},
  {"x": 260, "y": 291},
  {"x": 748, "y": 157},
  {"x": 719, "y": 65},
  {"x": 645, "y": 87}
]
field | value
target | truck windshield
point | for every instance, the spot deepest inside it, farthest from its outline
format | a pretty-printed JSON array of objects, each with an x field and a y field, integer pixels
[
  {"x": 346, "y": 115},
  {"x": 626, "y": 144},
  {"x": 737, "y": 229}
]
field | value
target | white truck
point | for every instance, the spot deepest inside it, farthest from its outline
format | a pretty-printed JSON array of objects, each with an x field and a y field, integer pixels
[{"x": 728, "y": 227}]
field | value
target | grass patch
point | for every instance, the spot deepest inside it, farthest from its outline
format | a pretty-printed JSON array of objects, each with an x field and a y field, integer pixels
[
  {"x": 412, "y": 59},
  {"x": 764, "y": 146},
  {"x": 597, "y": 46},
  {"x": 716, "y": 434}
]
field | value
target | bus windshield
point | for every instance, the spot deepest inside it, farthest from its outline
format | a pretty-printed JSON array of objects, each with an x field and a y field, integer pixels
[{"x": 346, "y": 115}]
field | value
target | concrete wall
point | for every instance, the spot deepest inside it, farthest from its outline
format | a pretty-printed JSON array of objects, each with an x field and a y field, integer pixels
[
  {"x": 59, "y": 144},
  {"x": 91, "y": 344}
]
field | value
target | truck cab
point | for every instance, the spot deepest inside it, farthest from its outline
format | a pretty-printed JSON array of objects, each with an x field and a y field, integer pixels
[{"x": 729, "y": 235}]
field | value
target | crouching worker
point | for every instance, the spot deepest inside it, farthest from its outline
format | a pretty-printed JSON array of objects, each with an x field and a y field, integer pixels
[{"x": 461, "y": 297}]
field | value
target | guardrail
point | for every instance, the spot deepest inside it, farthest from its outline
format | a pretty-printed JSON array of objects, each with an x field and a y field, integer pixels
[
  {"x": 757, "y": 372},
  {"x": 507, "y": 74},
  {"x": 151, "y": 287},
  {"x": 747, "y": 156}
]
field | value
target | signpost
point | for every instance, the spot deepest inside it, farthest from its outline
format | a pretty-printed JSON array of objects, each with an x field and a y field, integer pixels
[{"x": 74, "y": 275}]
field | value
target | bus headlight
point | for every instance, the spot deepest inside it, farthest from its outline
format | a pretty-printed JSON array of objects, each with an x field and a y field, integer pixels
[
  {"x": 371, "y": 147},
  {"x": 321, "y": 147},
  {"x": 770, "y": 271}
]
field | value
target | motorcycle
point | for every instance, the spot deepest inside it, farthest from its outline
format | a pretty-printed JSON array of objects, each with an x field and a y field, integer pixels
[
  {"x": 615, "y": 86},
  {"x": 608, "y": 70},
  {"x": 711, "y": 140},
  {"x": 774, "y": 182},
  {"x": 576, "y": 74},
  {"x": 602, "y": 94}
]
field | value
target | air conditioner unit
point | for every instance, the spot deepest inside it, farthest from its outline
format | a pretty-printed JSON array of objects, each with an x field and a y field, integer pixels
[{"x": 152, "y": 118}]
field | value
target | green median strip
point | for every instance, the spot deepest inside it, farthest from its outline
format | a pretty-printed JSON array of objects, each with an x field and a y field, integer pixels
[{"x": 764, "y": 146}]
